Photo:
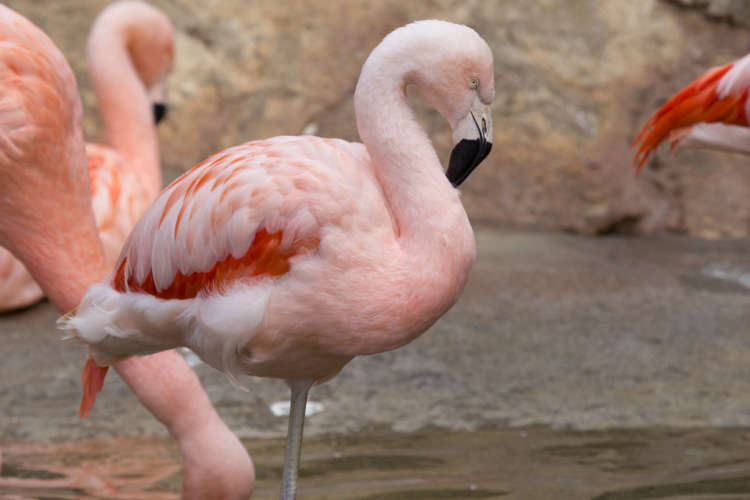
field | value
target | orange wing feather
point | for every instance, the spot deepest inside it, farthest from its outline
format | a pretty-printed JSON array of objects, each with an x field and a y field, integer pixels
[
  {"x": 698, "y": 102},
  {"x": 104, "y": 175},
  {"x": 264, "y": 257},
  {"x": 92, "y": 381}
]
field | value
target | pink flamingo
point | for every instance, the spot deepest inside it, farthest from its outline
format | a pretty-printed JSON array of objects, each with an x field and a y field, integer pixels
[
  {"x": 711, "y": 113},
  {"x": 126, "y": 179},
  {"x": 46, "y": 220},
  {"x": 290, "y": 256}
]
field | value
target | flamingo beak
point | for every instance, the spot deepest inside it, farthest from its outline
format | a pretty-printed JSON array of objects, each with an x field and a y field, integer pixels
[
  {"x": 703, "y": 101},
  {"x": 160, "y": 112},
  {"x": 472, "y": 137},
  {"x": 157, "y": 94}
]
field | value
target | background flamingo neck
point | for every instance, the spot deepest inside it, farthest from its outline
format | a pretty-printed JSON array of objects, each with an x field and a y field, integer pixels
[{"x": 124, "y": 103}]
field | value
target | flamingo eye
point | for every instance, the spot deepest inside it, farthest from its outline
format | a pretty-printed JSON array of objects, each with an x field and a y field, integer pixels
[{"x": 474, "y": 82}]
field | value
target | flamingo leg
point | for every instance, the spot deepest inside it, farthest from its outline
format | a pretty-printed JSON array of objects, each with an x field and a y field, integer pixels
[{"x": 298, "y": 402}]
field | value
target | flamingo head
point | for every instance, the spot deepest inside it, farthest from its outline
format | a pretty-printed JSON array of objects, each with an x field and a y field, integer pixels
[
  {"x": 454, "y": 71},
  {"x": 152, "y": 53},
  {"x": 149, "y": 38}
]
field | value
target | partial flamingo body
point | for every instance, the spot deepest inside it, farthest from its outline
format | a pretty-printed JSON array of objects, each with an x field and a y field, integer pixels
[
  {"x": 712, "y": 112},
  {"x": 46, "y": 220},
  {"x": 123, "y": 181},
  {"x": 290, "y": 256},
  {"x": 118, "y": 199},
  {"x": 18, "y": 288},
  {"x": 34, "y": 75}
]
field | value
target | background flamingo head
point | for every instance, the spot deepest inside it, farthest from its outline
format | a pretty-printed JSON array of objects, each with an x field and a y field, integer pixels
[{"x": 149, "y": 38}]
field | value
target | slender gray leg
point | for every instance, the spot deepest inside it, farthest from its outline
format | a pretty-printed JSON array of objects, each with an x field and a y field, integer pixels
[{"x": 299, "y": 388}]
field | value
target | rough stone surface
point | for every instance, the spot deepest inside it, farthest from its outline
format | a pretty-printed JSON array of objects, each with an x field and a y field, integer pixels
[
  {"x": 732, "y": 11},
  {"x": 575, "y": 80}
]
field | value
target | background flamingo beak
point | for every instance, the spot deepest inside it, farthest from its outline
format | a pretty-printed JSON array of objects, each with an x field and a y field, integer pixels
[{"x": 160, "y": 112}]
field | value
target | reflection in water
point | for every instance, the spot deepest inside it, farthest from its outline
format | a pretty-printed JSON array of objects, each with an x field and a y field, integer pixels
[
  {"x": 738, "y": 488},
  {"x": 523, "y": 464},
  {"x": 116, "y": 469},
  {"x": 435, "y": 494}
]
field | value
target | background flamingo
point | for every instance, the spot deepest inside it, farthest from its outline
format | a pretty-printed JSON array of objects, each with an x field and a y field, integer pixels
[
  {"x": 46, "y": 220},
  {"x": 124, "y": 180},
  {"x": 288, "y": 257},
  {"x": 711, "y": 112}
]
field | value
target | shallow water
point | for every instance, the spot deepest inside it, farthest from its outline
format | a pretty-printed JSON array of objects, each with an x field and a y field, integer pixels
[{"x": 528, "y": 464}]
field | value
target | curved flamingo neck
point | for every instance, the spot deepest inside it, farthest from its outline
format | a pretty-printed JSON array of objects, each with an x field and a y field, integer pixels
[
  {"x": 421, "y": 199},
  {"x": 123, "y": 101},
  {"x": 433, "y": 230}
]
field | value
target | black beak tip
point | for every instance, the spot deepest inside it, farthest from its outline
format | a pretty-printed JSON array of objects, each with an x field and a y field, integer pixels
[
  {"x": 465, "y": 157},
  {"x": 160, "y": 112}
]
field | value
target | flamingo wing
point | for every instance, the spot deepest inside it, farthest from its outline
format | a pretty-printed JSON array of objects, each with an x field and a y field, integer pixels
[
  {"x": 719, "y": 95},
  {"x": 240, "y": 214},
  {"x": 106, "y": 168},
  {"x": 118, "y": 198}
]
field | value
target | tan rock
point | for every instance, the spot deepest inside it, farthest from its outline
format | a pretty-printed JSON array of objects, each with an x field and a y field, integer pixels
[{"x": 575, "y": 80}]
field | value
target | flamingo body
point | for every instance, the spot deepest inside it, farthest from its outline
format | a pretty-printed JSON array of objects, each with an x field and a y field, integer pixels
[
  {"x": 118, "y": 199},
  {"x": 41, "y": 158},
  {"x": 232, "y": 255},
  {"x": 288, "y": 257},
  {"x": 130, "y": 53},
  {"x": 46, "y": 217}
]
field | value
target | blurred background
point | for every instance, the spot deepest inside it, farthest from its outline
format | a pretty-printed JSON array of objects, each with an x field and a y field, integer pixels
[
  {"x": 575, "y": 80},
  {"x": 609, "y": 367}
]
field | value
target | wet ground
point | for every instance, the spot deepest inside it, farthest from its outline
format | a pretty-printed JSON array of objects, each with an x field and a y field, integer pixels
[{"x": 572, "y": 368}]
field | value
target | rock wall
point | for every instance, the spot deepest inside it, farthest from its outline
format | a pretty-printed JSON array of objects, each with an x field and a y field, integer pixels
[
  {"x": 575, "y": 80},
  {"x": 732, "y": 11}
]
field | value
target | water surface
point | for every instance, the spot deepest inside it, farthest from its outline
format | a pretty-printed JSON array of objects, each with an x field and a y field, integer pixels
[{"x": 523, "y": 464}]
